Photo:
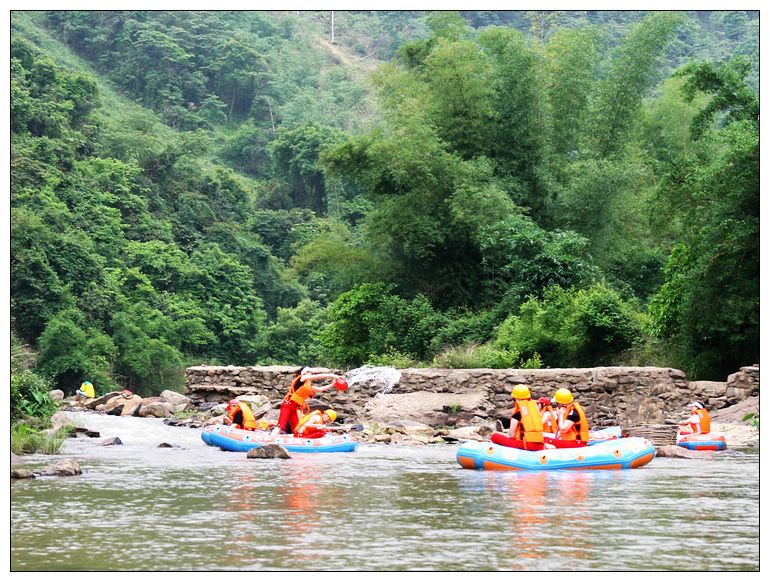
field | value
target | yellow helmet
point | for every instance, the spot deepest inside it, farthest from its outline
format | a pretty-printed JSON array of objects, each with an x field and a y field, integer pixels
[
  {"x": 331, "y": 414},
  {"x": 520, "y": 392},
  {"x": 563, "y": 396}
]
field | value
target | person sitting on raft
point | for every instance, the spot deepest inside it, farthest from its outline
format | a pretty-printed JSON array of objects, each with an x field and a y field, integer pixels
[
  {"x": 547, "y": 413},
  {"x": 240, "y": 415},
  {"x": 572, "y": 424},
  {"x": 699, "y": 421},
  {"x": 313, "y": 424},
  {"x": 526, "y": 431},
  {"x": 295, "y": 401}
]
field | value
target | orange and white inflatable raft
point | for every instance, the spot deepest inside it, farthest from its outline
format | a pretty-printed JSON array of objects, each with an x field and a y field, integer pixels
[
  {"x": 711, "y": 441},
  {"x": 622, "y": 453}
]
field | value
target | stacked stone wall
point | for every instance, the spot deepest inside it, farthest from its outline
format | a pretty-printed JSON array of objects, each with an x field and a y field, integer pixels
[{"x": 626, "y": 396}]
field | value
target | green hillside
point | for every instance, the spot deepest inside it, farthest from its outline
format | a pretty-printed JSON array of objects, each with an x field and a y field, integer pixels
[{"x": 483, "y": 189}]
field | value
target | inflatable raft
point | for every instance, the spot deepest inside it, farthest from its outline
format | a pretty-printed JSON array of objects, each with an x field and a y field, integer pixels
[
  {"x": 232, "y": 439},
  {"x": 622, "y": 453},
  {"x": 710, "y": 441},
  {"x": 601, "y": 435}
]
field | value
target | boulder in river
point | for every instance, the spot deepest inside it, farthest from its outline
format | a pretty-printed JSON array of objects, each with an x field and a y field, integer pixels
[
  {"x": 20, "y": 473},
  {"x": 675, "y": 451},
  {"x": 268, "y": 452},
  {"x": 111, "y": 442},
  {"x": 59, "y": 420},
  {"x": 62, "y": 468}
]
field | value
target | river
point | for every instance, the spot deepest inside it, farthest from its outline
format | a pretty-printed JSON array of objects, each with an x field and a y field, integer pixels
[{"x": 384, "y": 507}]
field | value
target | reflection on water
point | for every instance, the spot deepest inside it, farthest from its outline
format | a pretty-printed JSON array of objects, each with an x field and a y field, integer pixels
[{"x": 139, "y": 507}]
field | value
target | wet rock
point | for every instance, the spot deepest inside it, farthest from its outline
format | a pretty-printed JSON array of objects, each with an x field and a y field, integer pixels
[
  {"x": 206, "y": 406},
  {"x": 56, "y": 395},
  {"x": 157, "y": 409},
  {"x": 59, "y": 420},
  {"x": 131, "y": 405},
  {"x": 168, "y": 446},
  {"x": 268, "y": 452},
  {"x": 20, "y": 473},
  {"x": 114, "y": 441},
  {"x": 468, "y": 433},
  {"x": 94, "y": 403},
  {"x": 62, "y": 468},
  {"x": 675, "y": 451}
]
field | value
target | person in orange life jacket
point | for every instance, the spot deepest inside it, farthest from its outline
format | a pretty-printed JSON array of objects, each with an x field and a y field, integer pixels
[
  {"x": 240, "y": 415},
  {"x": 572, "y": 423},
  {"x": 699, "y": 421},
  {"x": 526, "y": 423},
  {"x": 294, "y": 403},
  {"x": 313, "y": 424},
  {"x": 548, "y": 414}
]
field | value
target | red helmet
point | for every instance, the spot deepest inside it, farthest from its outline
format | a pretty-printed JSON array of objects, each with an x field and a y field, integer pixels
[
  {"x": 544, "y": 401},
  {"x": 231, "y": 405},
  {"x": 341, "y": 384}
]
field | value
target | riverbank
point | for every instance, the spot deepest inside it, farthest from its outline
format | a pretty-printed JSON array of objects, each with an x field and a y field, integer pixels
[{"x": 392, "y": 423}]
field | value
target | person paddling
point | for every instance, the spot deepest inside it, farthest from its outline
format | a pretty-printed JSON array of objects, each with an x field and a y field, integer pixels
[{"x": 313, "y": 424}]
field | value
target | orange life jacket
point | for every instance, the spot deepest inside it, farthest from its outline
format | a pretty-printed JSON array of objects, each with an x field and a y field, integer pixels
[
  {"x": 552, "y": 424},
  {"x": 300, "y": 391},
  {"x": 705, "y": 421},
  {"x": 249, "y": 421},
  {"x": 311, "y": 422},
  {"x": 530, "y": 427},
  {"x": 579, "y": 430}
]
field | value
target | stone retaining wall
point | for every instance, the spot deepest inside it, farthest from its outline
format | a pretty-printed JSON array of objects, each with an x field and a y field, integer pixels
[{"x": 626, "y": 396}]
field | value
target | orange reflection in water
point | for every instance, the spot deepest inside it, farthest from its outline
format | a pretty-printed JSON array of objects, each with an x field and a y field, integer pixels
[
  {"x": 547, "y": 507},
  {"x": 530, "y": 515},
  {"x": 302, "y": 495}
]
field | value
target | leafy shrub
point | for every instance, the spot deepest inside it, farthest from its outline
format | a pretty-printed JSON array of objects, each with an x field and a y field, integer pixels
[
  {"x": 472, "y": 355},
  {"x": 30, "y": 396},
  {"x": 393, "y": 359},
  {"x": 370, "y": 320},
  {"x": 585, "y": 327}
]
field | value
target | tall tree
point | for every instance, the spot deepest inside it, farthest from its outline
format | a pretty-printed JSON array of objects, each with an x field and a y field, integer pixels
[
  {"x": 632, "y": 72},
  {"x": 709, "y": 304}
]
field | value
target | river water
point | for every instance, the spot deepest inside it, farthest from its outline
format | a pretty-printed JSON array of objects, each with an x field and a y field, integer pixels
[{"x": 385, "y": 507}]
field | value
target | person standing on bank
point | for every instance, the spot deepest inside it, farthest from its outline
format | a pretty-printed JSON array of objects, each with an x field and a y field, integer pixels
[{"x": 294, "y": 404}]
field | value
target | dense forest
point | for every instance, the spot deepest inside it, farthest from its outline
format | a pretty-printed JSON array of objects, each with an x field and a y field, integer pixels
[{"x": 474, "y": 189}]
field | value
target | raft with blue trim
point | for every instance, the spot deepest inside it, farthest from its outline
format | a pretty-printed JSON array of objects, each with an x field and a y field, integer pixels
[
  {"x": 711, "y": 441},
  {"x": 238, "y": 440},
  {"x": 622, "y": 453}
]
